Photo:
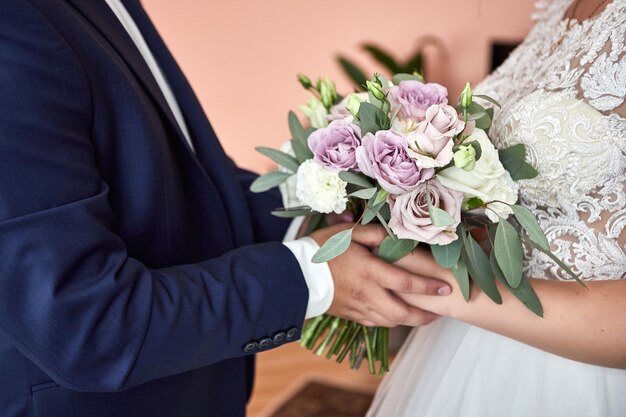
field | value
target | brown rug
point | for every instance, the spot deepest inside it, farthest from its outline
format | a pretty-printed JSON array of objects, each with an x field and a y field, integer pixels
[{"x": 317, "y": 399}]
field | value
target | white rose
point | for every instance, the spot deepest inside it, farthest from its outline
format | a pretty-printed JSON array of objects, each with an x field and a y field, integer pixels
[
  {"x": 488, "y": 181},
  {"x": 320, "y": 189},
  {"x": 315, "y": 111}
]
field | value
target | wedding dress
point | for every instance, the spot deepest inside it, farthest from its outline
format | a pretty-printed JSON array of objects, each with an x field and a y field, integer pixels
[{"x": 562, "y": 94}]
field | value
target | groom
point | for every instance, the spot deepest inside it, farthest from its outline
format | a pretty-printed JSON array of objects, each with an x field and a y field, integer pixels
[{"x": 137, "y": 273}]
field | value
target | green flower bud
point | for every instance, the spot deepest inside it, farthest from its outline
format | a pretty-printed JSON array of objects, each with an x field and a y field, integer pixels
[
  {"x": 353, "y": 105},
  {"x": 305, "y": 81},
  {"x": 375, "y": 89},
  {"x": 328, "y": 92},
  {"x": 466, "y": 96},
  {"x": 465, "y": 158}
]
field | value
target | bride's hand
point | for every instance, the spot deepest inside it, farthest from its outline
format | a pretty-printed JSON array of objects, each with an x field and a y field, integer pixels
[{"x": 421, "y": 262}]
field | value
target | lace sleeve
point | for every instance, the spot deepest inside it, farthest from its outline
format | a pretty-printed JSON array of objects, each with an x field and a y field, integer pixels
[{"x": 562, "y": 93}]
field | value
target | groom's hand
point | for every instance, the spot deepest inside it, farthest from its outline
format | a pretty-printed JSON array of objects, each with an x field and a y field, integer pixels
[{"x": 365, "y": 284}]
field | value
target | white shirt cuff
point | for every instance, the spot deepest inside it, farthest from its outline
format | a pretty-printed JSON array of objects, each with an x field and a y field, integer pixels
[{"x": 318, "y": 277}]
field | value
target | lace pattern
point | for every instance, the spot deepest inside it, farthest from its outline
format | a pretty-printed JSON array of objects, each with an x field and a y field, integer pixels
[{"x": 562, "y": 94}]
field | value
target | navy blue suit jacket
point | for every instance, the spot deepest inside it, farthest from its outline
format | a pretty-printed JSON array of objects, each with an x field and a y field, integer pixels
[{"x": 132, "y": 271}]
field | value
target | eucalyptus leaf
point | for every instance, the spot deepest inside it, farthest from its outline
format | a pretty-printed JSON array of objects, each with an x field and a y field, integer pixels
[
  {"x": 473, "y": 203},
  {"x": 524, "y": 292},
  {"x": 368, "y": 216},
  {"x": 354, "y": 72},
  {"x": 381, "y": 196},
  {"x": 484, "y": 122},
  {"x": 525, "y": 172},
  {"x": 507, "y": 247},
  {"x": 440, "y": 218},
  {"x": 372, "y": 119},
  {"x": 529, "y": 222},
  {"x": 476, "y": 116},
  {"x": 462, "y": 278},
  {"x": 513, "y": 157},
  {"x": 292, "y": 212},
  {"x": 385, "y": 211},
  {"x": 269, "y": 181},
  {"x": 489, "y": 99},
  {"x": 281, "y": 158},
  {"x": 295, "y": 127},
  {"x": 314, "y": 222},
  {"x": 333, "y": 247},
  {"x": 364, "y": 194},
  {"x": 384, "y": 224},
  {"x": 383, "y": 57},
  {"x": 398, "y": 78},
  {"x": 301, "y": 150},
  {"x": 447, "y": 255},
  {"x": 557, "y": 261},
  {"x": 479, "y": 268},
  {"x": 308, "y": 131},
  {"x": 392, "y": 250},
  {"x": 356, "y": 179}
]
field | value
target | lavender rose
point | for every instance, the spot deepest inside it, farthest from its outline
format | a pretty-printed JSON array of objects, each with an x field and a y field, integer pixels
[
  {"x": 384, "y": 157},
  {"x": 409, "y": 213},
  {"x": 431, "y": 141},
  {"x": 415, "y": 97},
  {"x": 335, "y": 145}
]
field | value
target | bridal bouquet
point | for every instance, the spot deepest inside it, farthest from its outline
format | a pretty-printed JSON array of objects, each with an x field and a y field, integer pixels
[{"x": 401, "y": 155}]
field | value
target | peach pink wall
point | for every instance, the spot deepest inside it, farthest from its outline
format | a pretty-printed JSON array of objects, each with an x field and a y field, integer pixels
[{"x": 242, "y": 56}]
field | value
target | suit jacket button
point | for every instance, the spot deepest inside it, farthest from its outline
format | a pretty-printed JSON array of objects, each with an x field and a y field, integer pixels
[
  {"x": 291, "y": 333},
  {"x": 265, "y": 343},
  {"x": 279, "y": 338},
  {"x": 250, "y": 347}
]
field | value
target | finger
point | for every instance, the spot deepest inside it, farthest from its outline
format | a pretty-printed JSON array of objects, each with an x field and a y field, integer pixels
[
  {"x": 422, "y": 262},
  {"x": 399, "y": 280},
  {"x": 424, "y": 302},
  {"x": 419, "y": 317},
  {"x": 370, "y": 235}
]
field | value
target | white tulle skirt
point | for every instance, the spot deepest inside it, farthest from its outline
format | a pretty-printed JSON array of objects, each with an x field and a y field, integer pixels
[{"x": 452, "y": 369}]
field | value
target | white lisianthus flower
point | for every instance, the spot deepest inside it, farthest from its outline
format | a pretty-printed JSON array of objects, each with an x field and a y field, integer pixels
[
  {"x": 315, "y": 111},
  {"x": 320, "y": 189},
  {"x": 340, "y": 111},
  {"x": 488, "y": 181}
]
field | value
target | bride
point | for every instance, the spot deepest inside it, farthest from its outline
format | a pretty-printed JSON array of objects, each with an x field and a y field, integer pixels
[{"x": 562, "y": 94}]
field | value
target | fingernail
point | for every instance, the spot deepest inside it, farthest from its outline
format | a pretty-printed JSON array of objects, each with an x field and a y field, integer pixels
[{"x": 444, "y": 290}]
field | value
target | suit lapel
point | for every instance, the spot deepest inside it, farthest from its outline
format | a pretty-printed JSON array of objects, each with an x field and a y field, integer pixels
[{"x": 104, "y": 20}]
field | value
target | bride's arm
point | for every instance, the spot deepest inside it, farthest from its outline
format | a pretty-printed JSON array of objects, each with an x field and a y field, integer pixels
[{"x": 580, "y": 324}]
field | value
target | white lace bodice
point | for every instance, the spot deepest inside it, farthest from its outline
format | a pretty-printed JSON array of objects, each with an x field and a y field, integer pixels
[{"x": 562, "y": 94}]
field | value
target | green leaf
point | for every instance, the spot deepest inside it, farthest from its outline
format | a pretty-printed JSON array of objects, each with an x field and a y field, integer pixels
[
  {"x": 372, "y": 119},
  {"x": 295, "y": 127},
  {"x": 393, "y": 249},
  {"x": 415, "y": 64},
  {"x": 447, "y": 255},
  {"x": 528, "y": 221},
  {"x": 308, "y": 132},
  {"x": 508, "y": 250},
  {"x": 292, "y": 212},
  {"x": 439, "y": 217},
  {"x": 489, "y": 99},
  {"x": 513, "y": 157},
  {"x": 268, "y": 181},
  {"x": 368, "y": 215},
  {"x": 398, "y": 78},
  {"x": 525, "y": 172},
  {"x": 365, "y": 193},
  {"x": 314, "y": 222},
  {"x": 473, "y": 203},
  {"x": 356, "y": 179},
  {"x": 385, "y": 211},
  {"x": 301, "y": 151},
  {"x": 557, "y": 261},
  {"x": 383, "y": 222},
  {"x": 353, "y": 72},
  {"x": 484, "y": 122},
  {"x": 380, "y": 197},
  {"x": 333, "y": 247},
  {"x": 462, "y": 278},
  {"x": 383, "y": 57},
  {"x": 524, "y": 292},
  {"x": 281, "y": 158},
  {"x": 479, "y": 268}
]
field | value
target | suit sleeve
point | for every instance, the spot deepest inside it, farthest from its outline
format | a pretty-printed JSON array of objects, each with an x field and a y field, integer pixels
[{"x": 71, "y": 299}]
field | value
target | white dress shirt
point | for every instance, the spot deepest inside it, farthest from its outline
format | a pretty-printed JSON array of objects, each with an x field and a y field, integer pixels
[{"x": 317, "y": 276}]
